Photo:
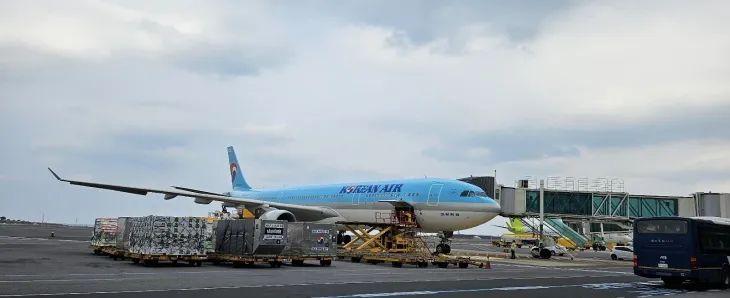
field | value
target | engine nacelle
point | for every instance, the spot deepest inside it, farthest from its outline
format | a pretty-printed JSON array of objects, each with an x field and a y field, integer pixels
[
  {"x": 278, "y": 215},
  {"x": 202, "y": 201}
]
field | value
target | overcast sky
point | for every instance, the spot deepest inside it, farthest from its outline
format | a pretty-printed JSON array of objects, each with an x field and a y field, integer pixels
[{"x": 150, "y": 93}]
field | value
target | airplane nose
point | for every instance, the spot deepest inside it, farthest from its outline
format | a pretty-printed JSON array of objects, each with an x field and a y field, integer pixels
[
  {"x": 494, "y": 208},
  {"x": 491, "y": 206}
]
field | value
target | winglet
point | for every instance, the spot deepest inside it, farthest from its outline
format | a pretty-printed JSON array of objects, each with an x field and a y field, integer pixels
[{"x": 55, "y": 175}]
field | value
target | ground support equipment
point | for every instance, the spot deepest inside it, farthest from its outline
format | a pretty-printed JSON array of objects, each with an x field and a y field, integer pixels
[
  {"x": 298, "y": 261},
  {"x": 150, "y": 260},
  {"x": 114, "y": 253},
  {"x": 99, "y": 250},
  {"x": 396, "y": 234},
  {"x": 245, "y": 261},
  {"x": 396, "y": 242},
  {"x": 396, "y": 259}
]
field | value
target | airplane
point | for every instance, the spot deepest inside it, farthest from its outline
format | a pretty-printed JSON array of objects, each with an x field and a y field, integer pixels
[
  {"x": 614, "y": 237},
  {"x": 438, "y": 205}
]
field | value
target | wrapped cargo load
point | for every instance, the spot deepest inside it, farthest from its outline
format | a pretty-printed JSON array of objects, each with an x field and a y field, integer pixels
[
  {"x": 122, "y": 239},
  {"x": 105, "y": 232},
  {"x": 168, "y": 235},
  {"x": 208, "y": 244},
  {"x": 311, "y": 240},
  {"x": 250, "y": 237}
]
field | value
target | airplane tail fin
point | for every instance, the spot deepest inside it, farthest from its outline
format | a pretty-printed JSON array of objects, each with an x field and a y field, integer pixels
[
  {"x": 239, "y": 183},
  {"x": 517, "y": 226}
]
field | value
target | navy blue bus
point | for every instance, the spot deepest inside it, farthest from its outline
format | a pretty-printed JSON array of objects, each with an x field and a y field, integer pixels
[{"x": 679, "y": 249}]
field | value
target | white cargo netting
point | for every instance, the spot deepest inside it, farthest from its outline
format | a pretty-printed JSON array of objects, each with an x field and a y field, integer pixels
[
  {"x": 168, "y": 235},
  {"x": 105, "y": 232}
]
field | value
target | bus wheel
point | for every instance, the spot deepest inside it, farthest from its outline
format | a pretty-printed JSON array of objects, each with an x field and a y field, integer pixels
[{"x": 725, "y": 278}]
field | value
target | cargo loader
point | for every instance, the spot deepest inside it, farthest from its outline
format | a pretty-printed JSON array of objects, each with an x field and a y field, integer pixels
[{"x": 396, "y": 242}]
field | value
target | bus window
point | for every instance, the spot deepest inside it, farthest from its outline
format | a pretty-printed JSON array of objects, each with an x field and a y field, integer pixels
[
  {"x": 713, "y": 239},
  {"x": 662, "y": 226}
]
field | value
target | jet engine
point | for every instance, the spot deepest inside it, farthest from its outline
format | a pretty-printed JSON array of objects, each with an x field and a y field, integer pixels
[
  {"x": 202, "y": 201},
  {"x": 278, "y": 215}
]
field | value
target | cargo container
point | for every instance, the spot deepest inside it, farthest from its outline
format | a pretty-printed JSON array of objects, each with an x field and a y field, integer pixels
[
  {"x": 310, "y": 241},
  {"x": 167, "y": 235},
  {"x": 122, "y": 239},
  {"x": 249, "y": 237},
  {"x": 105, "y": 232}
]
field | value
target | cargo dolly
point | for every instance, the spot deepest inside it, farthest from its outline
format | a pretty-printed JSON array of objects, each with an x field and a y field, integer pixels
[
  {"x": 114, "y": 253},
  {"x": 99, "y": 250},
  {"x": 149, "y": 260},
  {"x": 244, "y": 261},
  {"x": 298, "y": 261}
]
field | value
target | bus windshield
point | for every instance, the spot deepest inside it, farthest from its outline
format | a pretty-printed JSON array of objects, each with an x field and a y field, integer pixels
[{"x": 662, "y": 226}]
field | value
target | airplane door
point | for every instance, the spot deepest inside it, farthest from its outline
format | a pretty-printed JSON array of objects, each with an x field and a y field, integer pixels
[
  {"x": 278, "y": 199},
  {"x": 356, "y": 199},
  {"x": 433, "y": 194}
]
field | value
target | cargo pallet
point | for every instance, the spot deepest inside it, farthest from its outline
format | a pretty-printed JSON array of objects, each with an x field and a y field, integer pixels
[
  {"x": 244, "y": 261},
  {"x": 148, "y": 260},
  {"x": 298, "y": 261}
]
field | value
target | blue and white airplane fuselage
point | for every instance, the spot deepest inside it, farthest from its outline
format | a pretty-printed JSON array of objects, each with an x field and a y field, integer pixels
[{"x": 438, "y": 204}]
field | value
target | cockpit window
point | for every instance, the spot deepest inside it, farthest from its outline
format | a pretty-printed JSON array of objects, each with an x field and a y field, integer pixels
[{"x": 469, "y": 193}]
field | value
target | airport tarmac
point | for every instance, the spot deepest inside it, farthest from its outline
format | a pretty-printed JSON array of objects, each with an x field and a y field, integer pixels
[
  {"x": 34, "y": 266},
  {"x": 481, "y": 245}
]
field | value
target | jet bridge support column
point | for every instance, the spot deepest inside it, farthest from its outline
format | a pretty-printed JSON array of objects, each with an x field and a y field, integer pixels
[{"x": 542, "y": 209}]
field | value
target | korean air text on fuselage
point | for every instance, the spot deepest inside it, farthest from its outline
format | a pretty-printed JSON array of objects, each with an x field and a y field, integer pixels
[{"x": 372, "y": 188}]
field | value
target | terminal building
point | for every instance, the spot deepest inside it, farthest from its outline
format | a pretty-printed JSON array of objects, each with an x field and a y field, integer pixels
[{"x": 593, "y": 205}]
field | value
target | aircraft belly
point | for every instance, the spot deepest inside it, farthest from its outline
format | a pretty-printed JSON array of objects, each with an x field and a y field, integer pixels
[{"x": 442, "y": 220}]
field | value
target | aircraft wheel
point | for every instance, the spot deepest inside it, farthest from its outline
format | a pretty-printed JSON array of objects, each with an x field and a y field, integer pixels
[
  {"x": 346, "y": 239},
  {"x": 446, "y": 249},
  {"x": 440, "y": 248}
]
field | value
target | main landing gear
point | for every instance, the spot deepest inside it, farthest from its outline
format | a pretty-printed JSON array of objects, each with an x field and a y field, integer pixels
[
  {"x": 342, "y": 238},
  {"x": 444, "y": 246}
]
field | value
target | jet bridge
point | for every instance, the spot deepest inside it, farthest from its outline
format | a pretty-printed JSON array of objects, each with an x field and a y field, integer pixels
[{"x": 587, "y": 200}]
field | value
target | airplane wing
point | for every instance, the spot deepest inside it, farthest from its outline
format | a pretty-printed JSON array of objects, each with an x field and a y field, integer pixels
[{"x": 301, "y": 212}]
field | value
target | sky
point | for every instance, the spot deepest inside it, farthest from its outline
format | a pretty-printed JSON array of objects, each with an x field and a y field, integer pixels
[{"x": 150, "y": 93}]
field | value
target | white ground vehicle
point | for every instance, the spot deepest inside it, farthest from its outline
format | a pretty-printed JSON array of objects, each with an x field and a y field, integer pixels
[
  {"x": 555, "y": 250},
  {"x": 622, "y": 253}
]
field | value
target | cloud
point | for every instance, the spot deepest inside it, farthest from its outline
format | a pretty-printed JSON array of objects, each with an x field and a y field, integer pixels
[{"x": 150, "y": 94}]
